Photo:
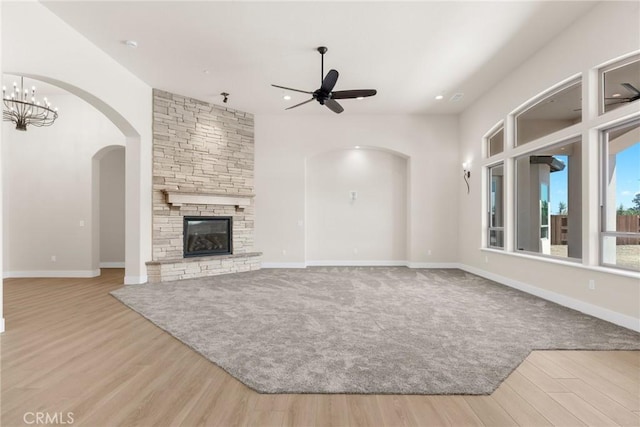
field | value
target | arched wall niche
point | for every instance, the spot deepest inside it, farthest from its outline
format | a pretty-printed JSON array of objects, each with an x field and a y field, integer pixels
[
  {"x": 321, "y": 152},
  {"x": 356, "y": 207}
]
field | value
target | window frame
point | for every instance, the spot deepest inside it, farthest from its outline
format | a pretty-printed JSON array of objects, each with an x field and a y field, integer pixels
[
  {"x": 491, "y": 228},
  {"x": 604, "y": 173},
  {"x": 540, "y": 99},
  {"x": 589, "y": 132},
  {"x": 550, "y": 146},
  {"x": 601, "y": 83},
  {"x": 493, "y": 132}
]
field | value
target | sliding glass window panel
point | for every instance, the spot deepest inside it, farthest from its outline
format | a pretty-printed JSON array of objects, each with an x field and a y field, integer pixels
[
  {"x": 620, "y": 241},
  {"x": 549, "y": 201},
  {"x": 496, "y": 207},
  {"x": 620, "y": 84},
  {"x": 551, "y": 113},
  {"x": 495, "y": 143}
]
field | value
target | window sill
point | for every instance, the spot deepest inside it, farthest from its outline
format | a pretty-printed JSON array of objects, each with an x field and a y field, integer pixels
[{"x": 567, "y": 263}]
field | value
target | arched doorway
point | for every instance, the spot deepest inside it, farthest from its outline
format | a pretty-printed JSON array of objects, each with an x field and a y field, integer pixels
[
  {"x": 135, "y": 270},
  {"x": 108, "y": 207}
]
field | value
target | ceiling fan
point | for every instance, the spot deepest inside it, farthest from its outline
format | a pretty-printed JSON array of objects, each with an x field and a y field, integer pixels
[{"x": 325, "y": 95}]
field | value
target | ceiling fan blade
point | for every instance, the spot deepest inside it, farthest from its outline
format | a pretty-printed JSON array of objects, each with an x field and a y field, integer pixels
[
  {"x": 349, "y": 94},
  {"x": 334, "y": 106},
  {"x": 302, "y": 103},
  {"x": 329, "y": 81},
  {"x": 295, "y": 90},
  {"x": 630, "y": 88}
]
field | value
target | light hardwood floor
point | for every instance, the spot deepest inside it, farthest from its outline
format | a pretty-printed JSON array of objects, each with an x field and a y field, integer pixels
[{"x": 71, "y": 347}]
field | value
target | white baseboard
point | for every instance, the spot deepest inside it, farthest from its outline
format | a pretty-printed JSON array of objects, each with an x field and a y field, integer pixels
[
  {"x": 360, "y": 264},
  {"x": 51, "y": 273},
  {"x": 356, "y": 263},
  {"x": 283, "y": 265},
  {"x": 433, "y": 265},
  {"x": 135, "y": 280},
  {"x": 112, "y": 264},
  {"x": 584, "y": 307}
]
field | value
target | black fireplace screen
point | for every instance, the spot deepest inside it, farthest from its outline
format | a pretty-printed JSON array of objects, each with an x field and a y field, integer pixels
[{"x": 205, "y": 235}]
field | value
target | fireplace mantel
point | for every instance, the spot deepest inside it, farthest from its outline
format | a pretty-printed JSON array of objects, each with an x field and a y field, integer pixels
[{"x": 179, "y": 198}]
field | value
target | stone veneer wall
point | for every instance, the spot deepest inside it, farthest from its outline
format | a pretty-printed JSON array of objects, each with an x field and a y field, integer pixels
[{"x": 205, "y": 149}]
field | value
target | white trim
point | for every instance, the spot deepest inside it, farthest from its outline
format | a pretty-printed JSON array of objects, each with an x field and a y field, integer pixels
[
  {"x": 363, "y": 263},
  {"x": 135, "y": 280},
  {"x": 433, "y": 265},
  {"x": 51, "y": 273},
  {"x": 1, "y": 325},
  {"x": 360, "y": 264},
  {"x": 566, "y": 262},
  {"x": 283, "y": 265},
  {"x": 112, "y": 264},
  {"x": 584, "y": 307}
]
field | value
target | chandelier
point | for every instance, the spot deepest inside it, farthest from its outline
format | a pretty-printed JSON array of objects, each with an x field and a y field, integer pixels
[{"x": 22, "y": 108}]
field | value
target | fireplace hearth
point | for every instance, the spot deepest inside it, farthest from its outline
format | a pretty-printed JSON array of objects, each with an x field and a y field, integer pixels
[{"x": 205, "y": 235}]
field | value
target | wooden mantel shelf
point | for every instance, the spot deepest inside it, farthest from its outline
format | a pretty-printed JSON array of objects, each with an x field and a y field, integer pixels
[{"x": 179, "y": 198}]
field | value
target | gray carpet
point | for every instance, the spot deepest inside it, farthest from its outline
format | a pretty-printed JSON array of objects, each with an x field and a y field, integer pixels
[{"x": 366, "y": 329}]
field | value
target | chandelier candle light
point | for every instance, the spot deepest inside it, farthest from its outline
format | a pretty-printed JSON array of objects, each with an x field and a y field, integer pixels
[{"x": 23, "y": 109}]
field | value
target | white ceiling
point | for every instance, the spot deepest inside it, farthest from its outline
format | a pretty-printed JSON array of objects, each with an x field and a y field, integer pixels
[{"x": 410, "y": 51}]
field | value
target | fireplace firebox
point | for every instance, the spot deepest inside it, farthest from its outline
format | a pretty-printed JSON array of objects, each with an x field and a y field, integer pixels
[{"x": 207, "y": 235}]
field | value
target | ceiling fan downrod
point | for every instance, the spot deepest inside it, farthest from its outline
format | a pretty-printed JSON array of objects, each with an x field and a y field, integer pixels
[{"x": 322, "y": 50}]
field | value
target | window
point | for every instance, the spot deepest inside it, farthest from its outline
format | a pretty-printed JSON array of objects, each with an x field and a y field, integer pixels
[
  {"x": 496, "y": 142},
  {"x": 548, "y": 201},
  {"x": 552, "y": 206},
  {"x": 496, "y": 207},
  {"x": 620, "y": 237},
  {"x": 620, "y": 84},
  {"x": 556, "y": 111}
]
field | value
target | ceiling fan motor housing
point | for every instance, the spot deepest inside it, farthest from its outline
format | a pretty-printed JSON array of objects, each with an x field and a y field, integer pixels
[{"x": 320, "y": 96}]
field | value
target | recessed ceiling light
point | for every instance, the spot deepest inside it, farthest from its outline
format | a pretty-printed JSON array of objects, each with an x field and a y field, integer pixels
[
  {"x": 286, "y": 97},
  {"x": 439, "y": 97},
  {"x": 360, "y": 97},
  {"x": 616, "y": 95},
  {"x": 357, "y": 147},
  {"x": 131, "y": 43},
  {"x": 206, "y": 71}
]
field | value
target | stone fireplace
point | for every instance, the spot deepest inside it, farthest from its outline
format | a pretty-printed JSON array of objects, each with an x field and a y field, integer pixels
[{"x": 202, "y": 171}]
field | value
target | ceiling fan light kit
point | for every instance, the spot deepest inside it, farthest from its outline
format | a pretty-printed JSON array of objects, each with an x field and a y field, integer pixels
[{"x": 325, "y": 95}]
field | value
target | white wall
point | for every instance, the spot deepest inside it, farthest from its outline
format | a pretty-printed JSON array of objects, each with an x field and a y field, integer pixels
[
  {"x": 371, "y": 227},
  {"x": 2, "y": 160},
  {"x": 112, "y": 186},
  {"x": 608, "y": 31},
  {"x": 285, "y": 142},
  {"x": 48, "y": 191},
  {"x": 69, "y": 60}
]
